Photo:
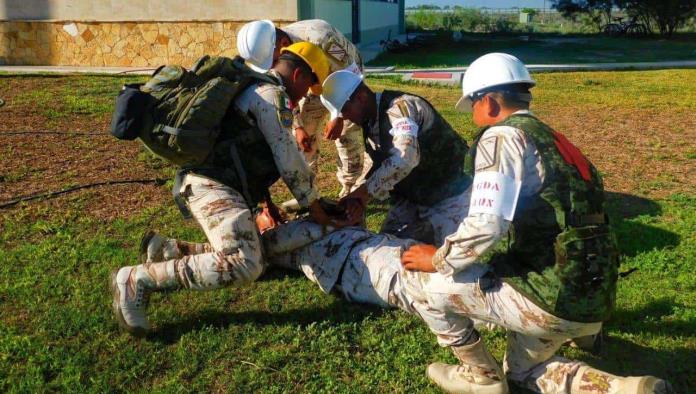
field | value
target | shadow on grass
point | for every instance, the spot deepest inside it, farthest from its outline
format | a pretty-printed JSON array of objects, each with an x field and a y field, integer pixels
[
  {"x": 649, "y": 318},
  {"x": 624, "y": 357},
  {"x": 337, "y": 311},
  {"x": 635, "y": 238}
]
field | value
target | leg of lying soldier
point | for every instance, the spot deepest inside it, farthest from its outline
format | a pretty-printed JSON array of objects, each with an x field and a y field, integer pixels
[
  {"x": 350, "y": 147},
  {"x": 235, "y": 260},
  {"x": 370, "y": 272}
]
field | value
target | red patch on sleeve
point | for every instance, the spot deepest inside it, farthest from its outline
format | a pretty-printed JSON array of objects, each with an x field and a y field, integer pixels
[{"x": 572, "y": 155}]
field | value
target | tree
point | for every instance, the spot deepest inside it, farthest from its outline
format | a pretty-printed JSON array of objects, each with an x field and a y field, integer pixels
[
  {"x": 668, "y": 15},
  {"x": 598, "y": 11}
]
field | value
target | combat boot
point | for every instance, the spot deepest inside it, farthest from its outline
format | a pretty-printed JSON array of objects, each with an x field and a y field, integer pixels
[
  {"x": 131, "y": 287},
  {"x": 591, "y": 381},
  {"x": 477, "y": 373}
]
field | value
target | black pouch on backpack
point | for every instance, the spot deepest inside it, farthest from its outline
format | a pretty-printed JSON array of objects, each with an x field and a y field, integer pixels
[{"x": 131, "y": 107}]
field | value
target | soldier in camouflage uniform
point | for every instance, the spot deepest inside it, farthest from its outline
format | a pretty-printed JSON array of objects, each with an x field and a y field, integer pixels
[
  {"x": 311, "y": 116},
  {"x": 366, "y": 267},
  {"x": 535, "y": 249},
  {"x": 255, "y": 144},
  {"x": 418, "y": 159}
]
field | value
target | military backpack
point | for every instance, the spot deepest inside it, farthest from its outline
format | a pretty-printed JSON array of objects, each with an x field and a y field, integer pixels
[{"x": 177, "y": 113}]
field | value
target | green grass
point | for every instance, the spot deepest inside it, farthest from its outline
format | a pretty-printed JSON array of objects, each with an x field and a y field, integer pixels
[
  {"x": 544, "y": 49},
  {"x": 282, "y": 334}
]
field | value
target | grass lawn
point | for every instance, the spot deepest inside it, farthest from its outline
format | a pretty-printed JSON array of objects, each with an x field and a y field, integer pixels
[
  {"x": 545, "y": 49},
  {"x": 282, "y": 334}
]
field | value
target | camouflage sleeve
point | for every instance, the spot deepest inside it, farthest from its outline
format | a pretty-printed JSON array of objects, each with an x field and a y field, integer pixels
[
  {"x": 502, "y": 152},
  {"x": 274, "y": 119},
  {"x": 404, "y": 155},
  {"x": 341, "y": 52}
]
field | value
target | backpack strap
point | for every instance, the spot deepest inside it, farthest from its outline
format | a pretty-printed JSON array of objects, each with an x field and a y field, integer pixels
[
  {"x": 186, "y": 133},
  {"x": 241, "y": 173}
]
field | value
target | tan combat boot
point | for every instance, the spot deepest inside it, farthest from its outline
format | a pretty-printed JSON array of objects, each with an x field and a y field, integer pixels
[
  {"x": 477, "y": 373},
  {"x": 131, "y": 287},
  {"x": 592, "y": 381}
]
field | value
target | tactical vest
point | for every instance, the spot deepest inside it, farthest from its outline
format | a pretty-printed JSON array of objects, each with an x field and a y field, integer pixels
[
  {"x": 561, "y": 252},
  {"x": 254, "y": 153},
  {"x": 440, "y": 172}
]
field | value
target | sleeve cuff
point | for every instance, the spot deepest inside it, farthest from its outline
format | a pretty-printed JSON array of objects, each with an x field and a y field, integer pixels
[
  {"x": 307, "y": 199},
  {"x": 440, "y": 263}
]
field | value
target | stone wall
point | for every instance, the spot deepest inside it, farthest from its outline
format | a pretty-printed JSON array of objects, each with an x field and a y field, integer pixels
[{"x": 136, "y": 44}]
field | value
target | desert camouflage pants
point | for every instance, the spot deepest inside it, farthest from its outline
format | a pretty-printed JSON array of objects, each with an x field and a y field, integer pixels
[
  {"x": 373, "y": 274},
  {"x": 232, "y": 256},
  {"x": 350, "y": 146},
  {"x": 429, "y": 224}
]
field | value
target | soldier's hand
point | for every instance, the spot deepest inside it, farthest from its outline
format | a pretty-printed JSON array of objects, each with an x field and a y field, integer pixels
[
  {"x": 360, "y": 195},
  {"x": 318, "y": 215},
  {"x": 355, "y": 210},
  {"x": 419, "y": 258},
  {"x": 304, "y": 141},
  {"x": 333, "y": 129},
  {"x": 264, "y": 221}
]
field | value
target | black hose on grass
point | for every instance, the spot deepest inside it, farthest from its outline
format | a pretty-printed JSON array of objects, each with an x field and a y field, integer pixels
[{"x": 157, "y": 181}]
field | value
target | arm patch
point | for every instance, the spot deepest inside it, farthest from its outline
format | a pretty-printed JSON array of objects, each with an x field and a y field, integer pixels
[
  {"x": 487, "y": 154},
  {"x": 285, "y": 116},
  {"x": 495, "y": 194}
]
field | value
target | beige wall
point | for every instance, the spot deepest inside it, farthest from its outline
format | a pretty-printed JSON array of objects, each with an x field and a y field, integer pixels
[
  {"x": 148, "y": 10},
  {"x": 141, "y": 44}
]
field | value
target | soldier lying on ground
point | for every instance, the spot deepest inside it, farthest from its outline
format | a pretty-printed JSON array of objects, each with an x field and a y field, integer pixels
[{"x": 367, "y": 268}]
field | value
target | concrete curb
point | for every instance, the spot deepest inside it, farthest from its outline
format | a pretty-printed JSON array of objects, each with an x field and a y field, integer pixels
[{"x": 446, "y": 75}]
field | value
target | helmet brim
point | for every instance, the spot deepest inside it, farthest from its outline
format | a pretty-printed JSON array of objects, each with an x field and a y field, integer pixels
[
  {"x": 262, "y": 68},
  {"x": 464, "y": 104}
]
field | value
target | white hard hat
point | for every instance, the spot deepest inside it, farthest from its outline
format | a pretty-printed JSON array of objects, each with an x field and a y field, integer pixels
[
  {"x": 256, "y": 42},
  {"x": 337, "y": 89},
  {"x": 493, "y": 69}
]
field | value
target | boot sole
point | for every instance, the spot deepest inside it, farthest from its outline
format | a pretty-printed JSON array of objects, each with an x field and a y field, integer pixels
[{"x": 118, "y": 314}]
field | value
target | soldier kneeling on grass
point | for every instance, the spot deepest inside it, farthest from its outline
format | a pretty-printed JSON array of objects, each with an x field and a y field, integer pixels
[
  {"x": 417, "y": 158},
  {"x": 254, "y": 149},
  {"x": 535, "y": 255}
]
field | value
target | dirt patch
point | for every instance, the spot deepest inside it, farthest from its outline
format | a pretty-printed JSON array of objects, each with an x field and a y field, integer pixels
[
  {"x": 638, "y": 151},
  {"x": 36, "y": 163},
  {"x": 643, "y": 152}
]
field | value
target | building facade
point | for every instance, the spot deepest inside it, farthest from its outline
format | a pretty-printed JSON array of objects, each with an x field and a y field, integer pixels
[{"x": 136, "y": 33}]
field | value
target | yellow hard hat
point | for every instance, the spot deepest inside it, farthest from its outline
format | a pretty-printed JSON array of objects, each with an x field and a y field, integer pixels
[{"x": 315, "y": 59}]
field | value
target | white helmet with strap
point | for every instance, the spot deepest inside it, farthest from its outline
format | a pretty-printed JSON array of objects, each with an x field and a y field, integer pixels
[
  {"x": 256, "y": 42},
  {"x": 489, "y": 71},
  {"x": 337, "y": 89}
]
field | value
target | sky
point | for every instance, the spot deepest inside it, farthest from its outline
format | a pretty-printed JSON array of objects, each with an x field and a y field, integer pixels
[{"x": 483, "y": 3}]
